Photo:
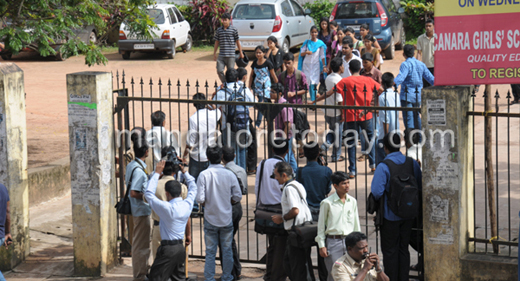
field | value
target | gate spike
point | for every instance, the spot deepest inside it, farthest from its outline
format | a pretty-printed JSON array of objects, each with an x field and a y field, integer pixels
[
  {"x": 206, "y": 85},
  {"x": 197, "y": 83},
  {"x": 169, "y": 82},
  {"x": 178, "y": 82},
  {"x": 474, "y": 92},
  {"x": 187, "y": 83},
  {"x": 151, "y": 82},
  {"x": 160, "y": 83},
  {"x": 132, "y": 81},
  {"x": 497, "y": 96},
  {"x": 142, "y": 83},
  {"x": 508, "y": 95}
]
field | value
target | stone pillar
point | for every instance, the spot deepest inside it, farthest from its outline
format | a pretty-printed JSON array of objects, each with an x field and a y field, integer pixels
[
  {"x": 447, "y": 179},
  {"x": 13, "y": 162},
  {"x": 92, "y": 172}
]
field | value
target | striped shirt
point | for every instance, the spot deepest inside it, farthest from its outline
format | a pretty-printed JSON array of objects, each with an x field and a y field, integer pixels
[{"x": 227, "y": 39}]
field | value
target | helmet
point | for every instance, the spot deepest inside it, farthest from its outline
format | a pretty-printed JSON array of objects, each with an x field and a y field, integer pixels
[{"x": 241, "y": 62}]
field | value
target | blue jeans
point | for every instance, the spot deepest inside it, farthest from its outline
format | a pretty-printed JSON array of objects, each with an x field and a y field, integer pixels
[
  {"x": 259, "y": 115},
  {"x": 331, "y": 136},
  {"x": 213, "y": 236},
  {"x": 380, "y": 152},
  {"x": 352, "y": 128},
  {"x": 411, "y": 119},
  {"x": 1, "y": 245},
  {"x": 289, "y": 157},
  {"x": 230, "y": 138}
]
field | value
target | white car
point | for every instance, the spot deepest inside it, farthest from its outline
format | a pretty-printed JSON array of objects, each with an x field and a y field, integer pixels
[
  {"x": 174, "y": 31},
  {"x": 286, "y": 20}
]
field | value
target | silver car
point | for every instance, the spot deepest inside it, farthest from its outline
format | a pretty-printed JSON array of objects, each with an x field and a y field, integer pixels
[{"x": 286, "y": 20}]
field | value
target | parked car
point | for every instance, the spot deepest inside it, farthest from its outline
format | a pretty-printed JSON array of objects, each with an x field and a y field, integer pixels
[
  {"x": 173, "y": 31},
  {"x": 86, "y": 34},
  {"x": 286, "y": 20},
  {"x": 382, "y": 16}
]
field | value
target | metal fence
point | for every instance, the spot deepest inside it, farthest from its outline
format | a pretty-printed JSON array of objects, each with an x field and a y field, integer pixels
[
  {"x": 496, "y": 143},
  {"x": 136, "y": 99}
]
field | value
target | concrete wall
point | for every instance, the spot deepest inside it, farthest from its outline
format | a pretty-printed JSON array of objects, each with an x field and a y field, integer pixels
[{"x": 49, "y": 181}]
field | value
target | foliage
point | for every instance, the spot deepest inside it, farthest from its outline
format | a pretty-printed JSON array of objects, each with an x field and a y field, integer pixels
[
  {"x": 206, "y": 17},
  {"x": 319, "y": 9},
  {"x": 186, "y": 12},
  {"x": 49, "y": 26},
  {"x": 417, "y": 12}
]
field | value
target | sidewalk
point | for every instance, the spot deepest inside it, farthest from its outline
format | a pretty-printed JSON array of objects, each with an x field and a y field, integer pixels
[{"x": 51, "y": 255}]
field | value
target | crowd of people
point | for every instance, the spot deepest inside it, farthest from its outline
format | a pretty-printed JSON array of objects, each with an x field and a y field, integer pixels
[{"x": 333, "y": 66}]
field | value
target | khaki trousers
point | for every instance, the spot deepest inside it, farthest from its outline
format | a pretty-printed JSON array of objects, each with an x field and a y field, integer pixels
[
  {"x": 141, "y": 247},
  {"x": 156, "y": 240}
]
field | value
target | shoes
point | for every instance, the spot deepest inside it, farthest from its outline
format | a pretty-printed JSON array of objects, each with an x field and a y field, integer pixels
[
  {"x": 351, "y": 175},
  {"x": 373, "y": 169},
  {"x": 253, "y": 172},
  {"x": 340, "y": 159},
  {"x": 362, "y": 158}
]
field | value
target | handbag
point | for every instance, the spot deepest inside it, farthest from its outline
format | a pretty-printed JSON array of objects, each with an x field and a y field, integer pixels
[
  {"x": 303, "y": 235},
  {"x": 263, "y": 213},
  {"x": 124, "y": 207}
]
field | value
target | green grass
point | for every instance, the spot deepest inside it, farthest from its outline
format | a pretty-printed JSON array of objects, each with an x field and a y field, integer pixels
[
  {"x": 109, "y": 49},
  {"x": 198, "y": 47},
  {"x": 412, "y": 41}
]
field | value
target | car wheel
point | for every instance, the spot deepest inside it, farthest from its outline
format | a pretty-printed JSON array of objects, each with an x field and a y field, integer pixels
[
  {"x": 390, "y": 51},
  {"x": 92, "y": 37},
  {"x": 402, "y": 40},
  {"x": 60, "y": 56},
  {"x": 189, "y": 43},
  {"x": 7, "y": 56},
  {"x": 172, "y": 55},
  {"x": 126, "y": 55},
  {"x": 285, "y": 45}
]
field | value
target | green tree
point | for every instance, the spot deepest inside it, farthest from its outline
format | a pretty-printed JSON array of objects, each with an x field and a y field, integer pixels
[{"x": 49, "y": 26}]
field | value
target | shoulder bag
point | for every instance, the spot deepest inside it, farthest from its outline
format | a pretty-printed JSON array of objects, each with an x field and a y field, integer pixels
[
  {"x": 303, "y": 235},
  {"x": 124, "y": 207}
]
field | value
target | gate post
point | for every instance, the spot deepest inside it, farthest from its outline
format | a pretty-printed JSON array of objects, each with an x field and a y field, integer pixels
[
  {"x": 92, "y": 172},
  {"x": 13, "y": 162},
  {"x": 447, "y": 180}
]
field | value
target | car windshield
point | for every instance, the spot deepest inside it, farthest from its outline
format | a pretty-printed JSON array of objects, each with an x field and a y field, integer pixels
[
  {"x": 254, "y": 12},
  {"x": 156, "y": 15},
  {"x": 356, "y": 10}
]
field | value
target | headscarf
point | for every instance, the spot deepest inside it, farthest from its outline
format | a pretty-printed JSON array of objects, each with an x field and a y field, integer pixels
[{"x": 313, "y": 47}]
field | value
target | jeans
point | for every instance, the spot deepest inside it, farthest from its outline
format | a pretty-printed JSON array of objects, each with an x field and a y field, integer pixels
[
  {"x": 351, "y": 128},
  {"x": 213, "y": 236},
  {"x": 336, "y": 144},
  {"x": 237, "y": 266},
  {"x": 259, "y": 115},
  {"x": 1, "y": 275},
  {"x": 195, "y": 167},
  {"x": 229, "y": 138},
  {"x": 289, "y": 157},
  {"x": 411, "y": 119},
  {"x": 227, "y": 62},
  {"x": 380, "y": 152}
]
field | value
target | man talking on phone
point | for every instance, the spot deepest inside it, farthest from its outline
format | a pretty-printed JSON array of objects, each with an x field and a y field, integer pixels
[
  {"x": 5, "y": 221},
  {"x": 358, "y": 264}
]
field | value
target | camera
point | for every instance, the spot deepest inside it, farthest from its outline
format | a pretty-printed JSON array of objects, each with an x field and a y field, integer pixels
[{"x": 171, "y": 159}]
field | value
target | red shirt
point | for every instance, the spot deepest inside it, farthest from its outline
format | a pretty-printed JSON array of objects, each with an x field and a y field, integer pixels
[{"x": 359, "y": 99}]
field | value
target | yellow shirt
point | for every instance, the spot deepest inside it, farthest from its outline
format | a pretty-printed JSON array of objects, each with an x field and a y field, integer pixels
[
  {"x": 161, "y": 192},
  {"x": 427, "y": 47},
  {"x": 337, "y": 218},
  {"x": 347, "y": 269}
]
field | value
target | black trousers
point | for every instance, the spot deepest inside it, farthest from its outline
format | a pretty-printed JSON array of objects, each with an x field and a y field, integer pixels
[
  {"x": 395, "y": 237},
  {"x": 274, "y": 268},
  {"x": 169, "y": 263},
  {"x": 252, "y": 157},
  {"x": 236, "y": 217},
  {"x": 323, "y": 273},
  {"x": 298, "y": 263}
]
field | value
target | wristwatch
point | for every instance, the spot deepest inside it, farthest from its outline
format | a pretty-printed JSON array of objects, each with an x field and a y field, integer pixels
[{"x": 380, "y": 270}]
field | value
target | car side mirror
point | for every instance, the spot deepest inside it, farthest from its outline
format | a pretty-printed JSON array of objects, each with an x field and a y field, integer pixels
[
  {"x": 400, "y": 10},
  {"x": 307, "y": 12}
]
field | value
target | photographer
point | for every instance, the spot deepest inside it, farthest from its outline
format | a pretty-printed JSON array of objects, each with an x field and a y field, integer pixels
[{"x": 358, "y": 263}]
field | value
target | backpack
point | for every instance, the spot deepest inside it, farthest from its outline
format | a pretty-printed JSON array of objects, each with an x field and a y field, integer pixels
[
  {"x": 300, "y": 122},
  {"x": 237, "y": 115},
  {"x": 403, "y": 194}
]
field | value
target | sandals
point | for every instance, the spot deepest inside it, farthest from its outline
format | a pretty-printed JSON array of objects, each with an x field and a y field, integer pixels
[{"x": 362, "y": 158}]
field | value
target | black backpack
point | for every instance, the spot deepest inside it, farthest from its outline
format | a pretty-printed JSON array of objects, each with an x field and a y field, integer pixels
[{"x": 403, "y": 196}]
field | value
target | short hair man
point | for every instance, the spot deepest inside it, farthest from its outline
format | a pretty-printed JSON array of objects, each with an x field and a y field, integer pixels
[
  {"x": 388, "y": 120},
  {"x": 368, "y": 68},
  {"x": 358, "y": 263},
  {"x": 411, "y": 75},
  {"x": 293, "y": 80},
  {"x": 226, "y": 37},
  {"x": 395, "y": 231},
  {"x": 294, "y": 211},
  {"x": 267, "y": 192},
  {"x": 358, "y": 119},
  {"x": 426, "y": 48},
  {"x": 218, "y": 189},
  {"x": 339, "y": 216},
  {"x": 333, "y": 117},
  {"x": 174, "y": 214},
  {"x": 348, "y": 56}
]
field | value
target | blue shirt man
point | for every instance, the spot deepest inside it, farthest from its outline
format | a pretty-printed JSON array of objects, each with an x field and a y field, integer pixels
[{"x": 139, "y": 182}]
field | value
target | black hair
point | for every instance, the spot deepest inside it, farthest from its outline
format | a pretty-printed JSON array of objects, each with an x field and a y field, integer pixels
[
  {"x": 338, "y": 177},
  {"x": 228, "y": 153},
  {"x": 283, "y": 167},
  {"x": 429, "y": 21},
  {"x": 311, "y": 151},
  {"x": 277, "y": 88},
  {"x": 199, "y": 96},
  {"x": 409, "y": 50},
  {"x": 348, "y": 41},
  {"x": 365, "y": 26},
  {"x": 261, "y": 48},
  {"x": 340, "y": 29},
  {"x": 335, "y": 64},
  {"x": 325, "y": 19},
  {"x": 280, "y": 146},
  {"x": 415, "y": 137},
  {"x": 288, "y": 56},
  {"x": 214, "y": 154},
  {"x": 354, "y": 66},
  {"x": 225, "y": 16},
  {"x": 174, "y": 188},
  {"x": 241, "y": 73},
  {"x": 312, "y": 28},
  {"x": 333, "y": 23},
  {"x": 367, "y": 56},
  {"x": 158, "y": 118},
  {"x": 274, "y": 40},
  {"x": 169, "y": 169},
  {"x": 353, "y": 238},
  {"x": 231, "y": 75},
  {"x": 350, "y": 29},
  {"x": 387, "y": 80},
  {"x": 140, "y": 144},
  {"x": 392, "y": 141},
  {"x": 370, "y": 38}
]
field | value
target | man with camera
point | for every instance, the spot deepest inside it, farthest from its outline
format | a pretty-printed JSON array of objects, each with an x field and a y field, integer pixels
[
  {"x": 173, "y": 214},
  {"x": 358, "y": 263}
]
